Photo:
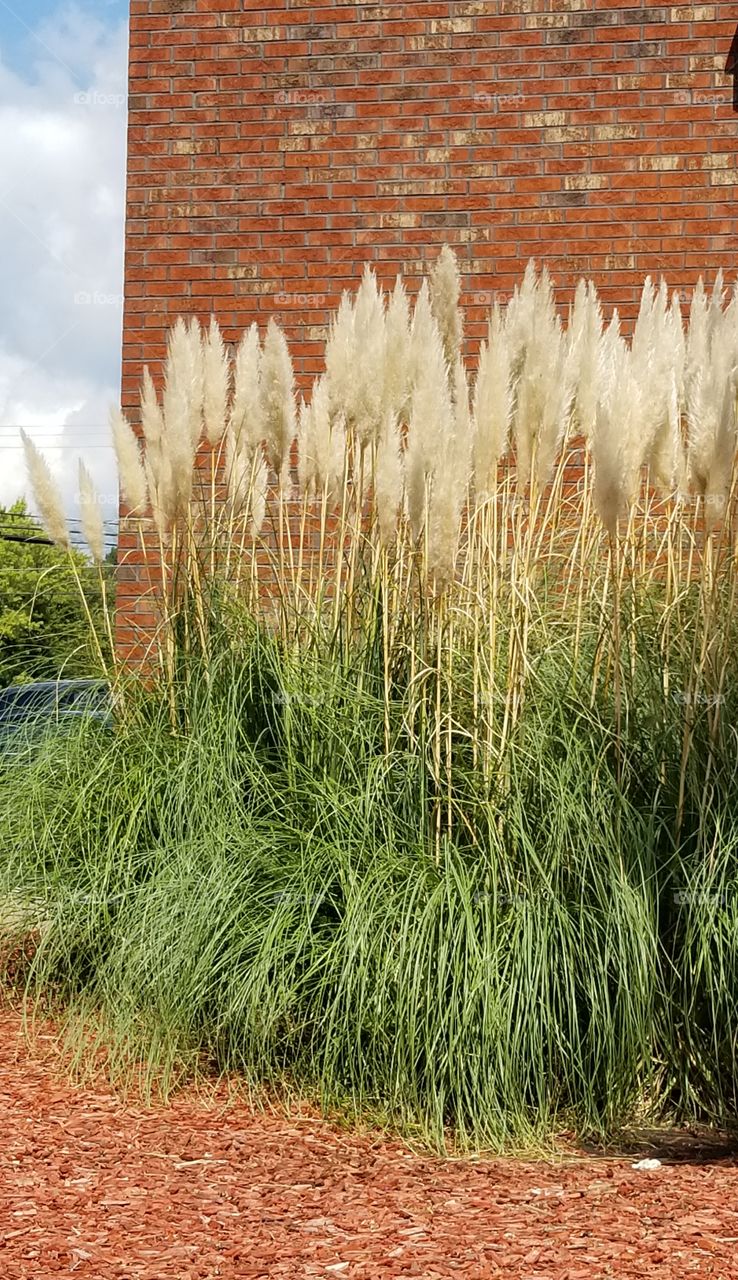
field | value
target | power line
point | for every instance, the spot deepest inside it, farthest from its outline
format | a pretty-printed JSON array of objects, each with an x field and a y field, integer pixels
[
  {"x": 60, "y": 437},
  {"x": 73, "y": 526},
  {"x": 48, "y": 445},
  {"x": 7, "y": 517},
  {"x": 38, "y": 535},
  {"x": 44, "y": 569},
  {"x": 17, "y": 537},
  {"x": 64, "y": 433}
]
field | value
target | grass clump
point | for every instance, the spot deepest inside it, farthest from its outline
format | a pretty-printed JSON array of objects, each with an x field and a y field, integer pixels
[{"x": 423, "y": 800}]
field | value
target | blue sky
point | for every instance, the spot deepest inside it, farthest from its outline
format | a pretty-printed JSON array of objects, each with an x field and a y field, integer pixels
[
  {"x": 62, "y": 189},
  {"x": 21, "y": 23}
]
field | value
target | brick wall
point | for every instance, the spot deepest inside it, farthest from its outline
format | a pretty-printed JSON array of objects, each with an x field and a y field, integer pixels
[{"x": 272, "y": 150}]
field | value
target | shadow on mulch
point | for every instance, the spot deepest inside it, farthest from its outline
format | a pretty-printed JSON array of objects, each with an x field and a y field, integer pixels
[{"x": 695, "y": 1145}]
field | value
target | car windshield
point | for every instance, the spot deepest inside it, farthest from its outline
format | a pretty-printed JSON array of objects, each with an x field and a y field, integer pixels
[
  {"x": 26, "y": 702},
  {"x": 90, "y": 697}
]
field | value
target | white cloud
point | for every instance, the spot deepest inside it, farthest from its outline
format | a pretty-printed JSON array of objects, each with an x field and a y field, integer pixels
[{"x": 62, "y": 185}]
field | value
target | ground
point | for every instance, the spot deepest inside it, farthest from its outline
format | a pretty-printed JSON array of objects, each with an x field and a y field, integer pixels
[{"x": 99, "y": 1187}]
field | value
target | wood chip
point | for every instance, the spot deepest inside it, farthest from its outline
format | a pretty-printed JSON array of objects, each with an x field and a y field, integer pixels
[{"x": 103, "y": 1188}]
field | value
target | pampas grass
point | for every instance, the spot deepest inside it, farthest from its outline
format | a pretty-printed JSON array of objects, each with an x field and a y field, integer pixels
[
  {"x": 341, "y": 357},
  {"x": 367, "y": 397},
  {"x": 389, "y": 479},
  {"x": 449, "y": 485},
  {"x": 46, "y": 493},
  {"x": 388, "y": 442},
  {"x": 493, "y": 399},
  {"x": 131, "y": 470},
  {"x": 397, "y": 366},
  {"x": 455, "y": 678},
  {"x": 91, "y": 516},
  {"x": 216, "y": 384},
  {"x": 181, "y": 406},
  {"x": 278, "y": 397},
  {"x": 430, "y": 423},
  {"x": 247, "y": 422},
  {"x": 445, "y": 291}
]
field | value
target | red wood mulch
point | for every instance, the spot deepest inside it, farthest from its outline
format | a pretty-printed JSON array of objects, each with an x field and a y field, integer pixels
[{"x": 92, "y": 1186}]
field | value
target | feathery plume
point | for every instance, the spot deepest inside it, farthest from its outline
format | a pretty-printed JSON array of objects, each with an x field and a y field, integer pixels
[
  {"x": 423, "y": 332},
  {"x": 398, "y": 371},
  {"x": 328, "y": 441},
  {"x": 617, "y": 443},
  {"x": 278, "y": 389},
  {"x": 718, "y": 486},
  {"x": 319, "y": 459},
  {"x": 557, "y": 397},
  {"x": 369, "y": 336},
  {"x": 715, "y": 307},
  {"x": 91, "y": 519},
  {"x": 711, "y": 423},
  {"x": 341, "y": 358},
  {"x": 338, "y": 457},
  {"x": 305, "y": 451},
  {"x": 662, "y": 379},
  {"x": 586, "y": 334},
  {"x": 156, "y": 460},
  {"x": 247, "y": 421},
  {"x": 131, "y": 472},
  {"x": 698, "y": 337},
  {"x": 388, "y": 479},
  {"x": 179, "y": 408},
  {"x": 196, "y": 379},
  {"x": 445, "y": 291},
  {"x": 239, "y": 463},
  {"x": 246, "y": 424},
  {"x": 160, "y": 489},
  {"x": 259, "y": 491},
  {"x": 709, "y": 365},
  {"x": 539, "y": 363},
  {"x": 46, "y": 494},
  {"x": 492, "y": 404},
  {"x": 701, "y": 430},
  {"x": 519, "y": 318},
  {"x": 450, "y": 485},
  {"x": 152, "y": 418},
  {"x": 679, "y": 345},
  {"x": 460, "y": 398},
  {"x": 216, "y": 383},
  {"x": 431, "y": 419},
  {"x": 730, "y": 317},
  {"x": 666, "y": 458}
]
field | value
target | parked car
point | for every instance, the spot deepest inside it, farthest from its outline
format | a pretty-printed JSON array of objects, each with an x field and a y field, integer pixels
[{"x": 29, "y": 712}]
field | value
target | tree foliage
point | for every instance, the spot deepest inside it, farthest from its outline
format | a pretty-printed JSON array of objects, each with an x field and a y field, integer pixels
[{"x": 44, "y": 631}]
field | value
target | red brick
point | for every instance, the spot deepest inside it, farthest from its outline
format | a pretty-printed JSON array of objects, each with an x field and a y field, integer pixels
[{"x": 283, "y": 144}]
